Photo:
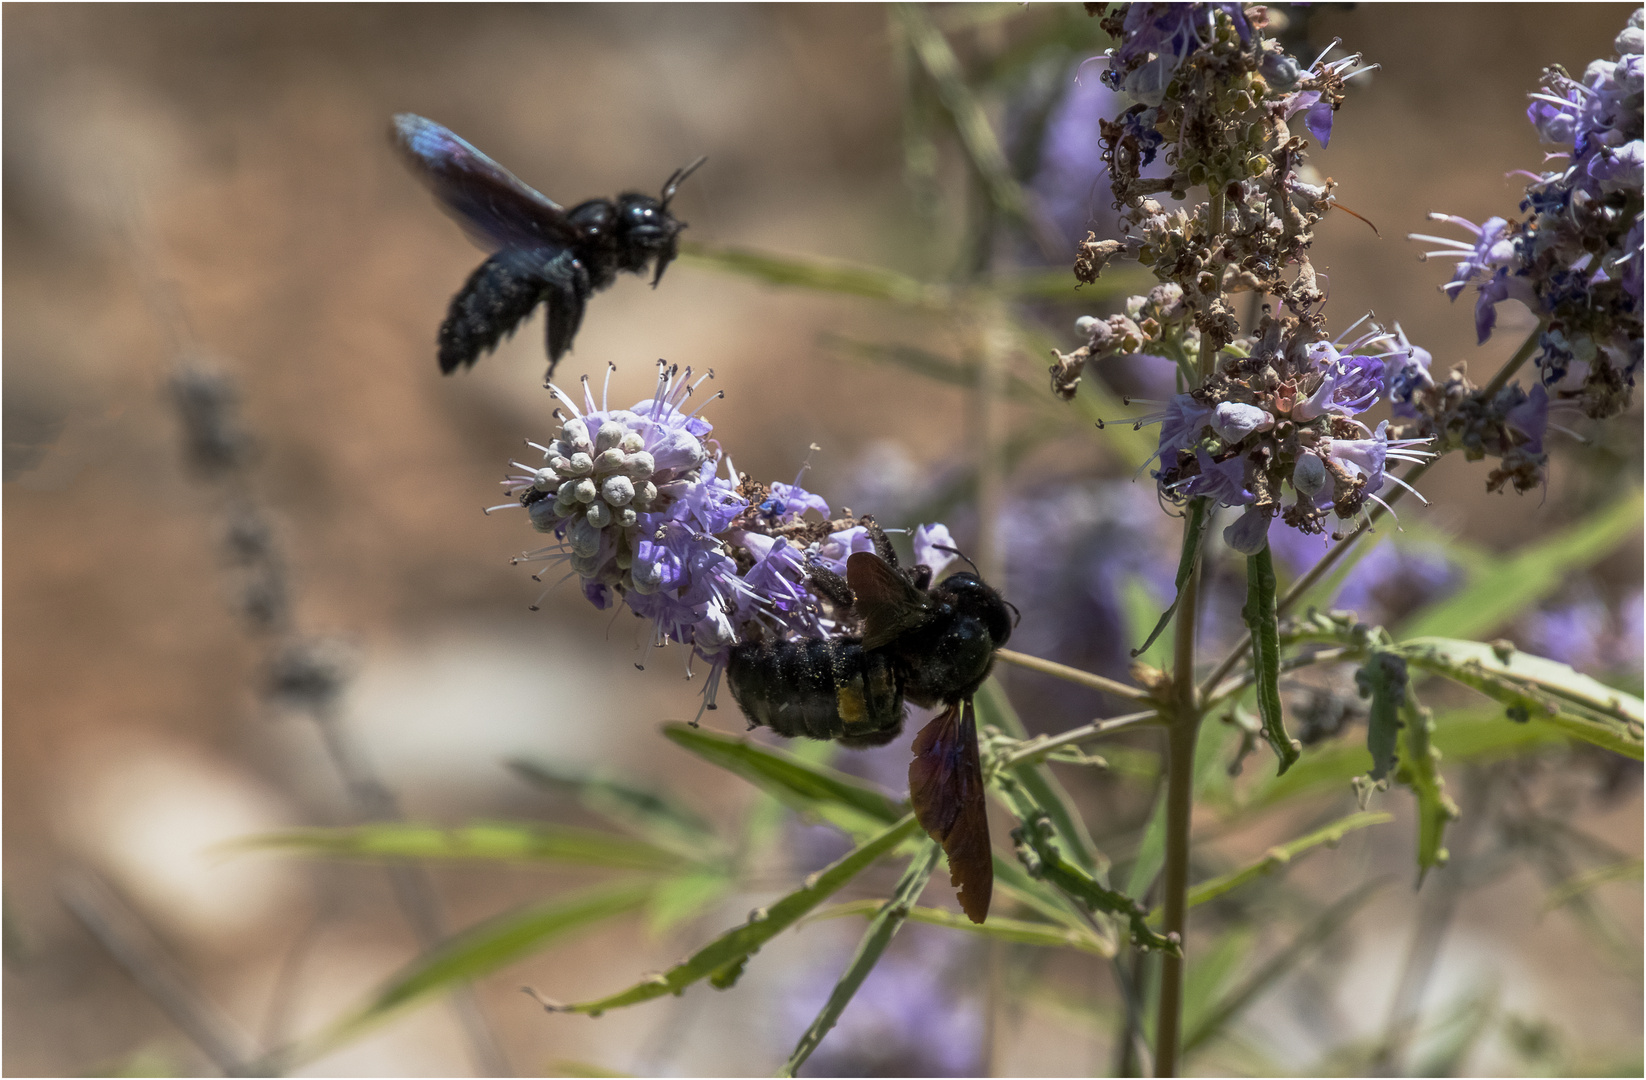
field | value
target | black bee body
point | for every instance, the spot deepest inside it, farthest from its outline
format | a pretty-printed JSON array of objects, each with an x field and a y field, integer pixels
[
  {"x": 932, "y": 645},
  {"x": 819, "y": 688},
  {"x": 542, "y": 252}
]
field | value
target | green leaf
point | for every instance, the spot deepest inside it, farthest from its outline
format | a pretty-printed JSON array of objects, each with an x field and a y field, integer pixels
[
  {"x": 971, "y": 123},
  {"x": 1210, "y": 969},
  {"x": 1016, "y": 931},
  {"x": 994, "y": 707},
  {"x": 642, "y": 810},
  {"x": 583, "y": 1068},
  {"x": 1420, "y": 770},
  {"x": 1279, "y": 856},
  {"x": 1264, "y": 625},
  {"x": 815, "y": 790},
  {"x": 886, "y": 922},
  {"x": 1471, "y": 734},
  {"x": 1194, "y": 538},
  {"x": 1151, "y": 851},
  {"x": 1276, "y": 967},
  {"x": 474, "y": 952},
  {"x": 1037, "y": 850},
  {"x": 1567, "y": 891},
  {"x": 497, "y": 841},
  {"x": 1383, "y": 679},
  {"x": 763, "y": 925},
  {"x": 818, "y": 274},
  {"x": 1532, "y": 686},
  {"x": 678, "y": 899},
  {"x": 1517, "y": 583},
  {"x": 1139, "y": 604}
]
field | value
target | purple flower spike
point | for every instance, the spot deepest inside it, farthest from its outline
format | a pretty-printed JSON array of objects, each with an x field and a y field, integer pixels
[
  {"x": 1250, "y": 532},
  {"x": 1224, "y": 481}
]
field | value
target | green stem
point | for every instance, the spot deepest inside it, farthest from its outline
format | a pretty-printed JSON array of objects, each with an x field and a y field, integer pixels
[
  {"x": 1074, "y": 675},
  {"x": 1180, "y": 747}
]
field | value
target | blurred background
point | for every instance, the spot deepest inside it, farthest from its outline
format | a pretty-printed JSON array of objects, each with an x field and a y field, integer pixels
[{"x": 212, "y": 185}]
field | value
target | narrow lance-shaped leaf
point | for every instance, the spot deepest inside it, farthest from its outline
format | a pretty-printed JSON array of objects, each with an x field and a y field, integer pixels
[
  {"x": 643, "y": 810},
  {"x": 1383, "y": 679},
  {"x": 733, "y": 947},
  {"x": 1532, "y": 686},
  {"x": 1015, "y": 931},
  {"x": 500, "y": 841},
  {"x": 480, "y": 949},
  {"x": 841, "y": 800},
  {"x": 995, "y": 708},
  {"x": 1038, "y": 851},
  {"x": 1420, "y": 770},
  {"x": 1200, "y": 516},
  {"x": 1515, "y": 584},
  {"x": 1278, "y": 966},
  {"x": 1279, "y": 856},
  {"x": 1264, "y": 625},
  {"x": 879, "y": 935}
]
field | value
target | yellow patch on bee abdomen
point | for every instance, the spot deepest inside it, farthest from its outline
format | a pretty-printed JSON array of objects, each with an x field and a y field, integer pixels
[{"x": 849, "y": 701}]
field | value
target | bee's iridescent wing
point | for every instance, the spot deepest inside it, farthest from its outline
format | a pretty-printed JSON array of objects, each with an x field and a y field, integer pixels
[
  {"x": 888, "y": 601},
  {"x": 494, "y": 207},
  {"x": 946, "y": 789}
]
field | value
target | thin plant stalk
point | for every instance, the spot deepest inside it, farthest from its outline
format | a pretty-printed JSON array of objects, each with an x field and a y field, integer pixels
[{"x": 1180, "y": 747}]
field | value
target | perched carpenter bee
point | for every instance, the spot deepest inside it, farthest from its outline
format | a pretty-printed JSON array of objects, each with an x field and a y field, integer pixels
[
  {"x": 542, "y": 251},
  {"x": 932, "y": 645}
]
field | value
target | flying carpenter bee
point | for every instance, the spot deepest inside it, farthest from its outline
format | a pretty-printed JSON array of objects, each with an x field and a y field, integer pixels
[
  {"x": 542, "y": 252},
  {"x": 929, "y": 644}
]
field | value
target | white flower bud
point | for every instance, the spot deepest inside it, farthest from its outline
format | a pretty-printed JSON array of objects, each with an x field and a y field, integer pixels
[
  {"x": 638, "y": 466},
  {"x": 1250, "y": 532},
  {"x": 546, "y": 480},
  {"x": 580, "y": 464},
  {"x": 560, "y": 463},
  {"x": 575, "y": 434},
  {"x": 617, "y": 490},
  {"x": 1085, "y": 325},
  {"x": 583, "y": 537},
  {"x": 585, "y": 565},
  {"x": 1308, "y": 475},
  {"x": 610, "y": 460},
  {"x": 611, "y": 433},
  {"x": 624, "y": 558},
  {"x": 600, "y": 515},
  {"x": 646, "y": 576},
  {"x": 584, "y": 490},
  {"x": 1233, "y": 421},
  {"x": 626, "y": 518},
  {"x": 645, "y": 493},
  {"x": 632, "y": 443}
]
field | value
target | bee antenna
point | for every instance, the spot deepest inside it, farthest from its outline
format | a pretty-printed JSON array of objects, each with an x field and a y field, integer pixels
[
  {"x": 961, "y": 555},
  {"x": 1017, "y": 616},
  {"x": 678, "y": 177}
]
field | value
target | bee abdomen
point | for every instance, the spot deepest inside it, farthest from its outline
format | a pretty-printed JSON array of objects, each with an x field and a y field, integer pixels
[
  {"x": 497, "y": 296},
  {"x": 819, "y": 688}
]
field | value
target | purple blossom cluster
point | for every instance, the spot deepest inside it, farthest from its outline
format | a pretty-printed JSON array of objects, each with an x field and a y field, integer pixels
[
  {"x": 641, "y": 513},
  {"x": 1589, "y": 635},
  {"x": 1575, "y": 257}
]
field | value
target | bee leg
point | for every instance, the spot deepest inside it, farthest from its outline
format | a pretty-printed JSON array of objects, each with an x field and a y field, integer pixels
[
  {"x": 830, "y": 585},
  {"x": 882, "y": 546},
  {"x": 569, "y": 291}
]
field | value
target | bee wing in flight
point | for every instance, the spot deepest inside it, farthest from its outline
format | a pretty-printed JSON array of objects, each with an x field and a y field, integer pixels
[
  {"x": 494, "y": 206},
  {"x": 946, "y": 788},
  {"x": 888, "y": 601}
]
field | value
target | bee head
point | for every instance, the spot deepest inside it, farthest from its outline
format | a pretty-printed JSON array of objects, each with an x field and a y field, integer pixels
[
  {"x": 971, "y": 596},
  {"x": 646, "y": 230}
]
